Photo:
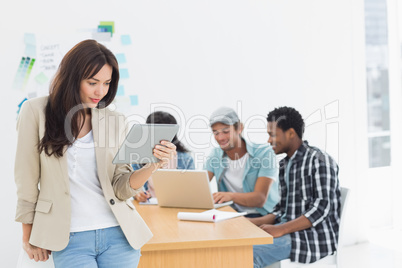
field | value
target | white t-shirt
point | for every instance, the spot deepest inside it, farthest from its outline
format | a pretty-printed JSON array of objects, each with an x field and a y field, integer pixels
[
  {"x": 89, "y": 208},
  {"x": 233, "y": 179}
]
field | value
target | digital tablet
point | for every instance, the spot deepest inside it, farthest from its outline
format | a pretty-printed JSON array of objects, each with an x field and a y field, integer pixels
[{"x": 137, "y": 147}]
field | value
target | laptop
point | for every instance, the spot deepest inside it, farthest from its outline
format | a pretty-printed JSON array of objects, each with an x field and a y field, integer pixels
[{"x": 184, "y": 189}]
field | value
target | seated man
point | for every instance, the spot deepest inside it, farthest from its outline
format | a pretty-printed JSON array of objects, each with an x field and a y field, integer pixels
[
  {"x": 305, "y": 223},
  {"x": 246, "y": 173}
]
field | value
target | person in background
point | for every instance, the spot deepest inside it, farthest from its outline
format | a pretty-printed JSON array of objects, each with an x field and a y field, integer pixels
[
  {"x": 183, "y": 160},
  {"x": 305, "y": 223},
  {"x": 246, "y": 173},
  {"x": 72, "y": 201}
]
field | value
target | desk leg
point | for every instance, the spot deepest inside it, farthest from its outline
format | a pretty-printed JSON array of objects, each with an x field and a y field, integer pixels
[{"x": 241, "y": 257}]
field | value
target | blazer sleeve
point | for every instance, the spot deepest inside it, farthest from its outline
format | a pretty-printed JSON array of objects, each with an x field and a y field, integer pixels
[
  {"x": 27, "y": 163},
  {"x": 122, "y": 172}
]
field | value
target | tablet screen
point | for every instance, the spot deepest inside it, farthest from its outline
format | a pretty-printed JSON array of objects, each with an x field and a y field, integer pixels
[{"x": 141, "y": 139}]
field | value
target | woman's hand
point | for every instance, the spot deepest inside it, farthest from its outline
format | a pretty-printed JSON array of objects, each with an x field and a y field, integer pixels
[
  {"x": 36, "y": 253},
  {"x": 164, "y": 152}
]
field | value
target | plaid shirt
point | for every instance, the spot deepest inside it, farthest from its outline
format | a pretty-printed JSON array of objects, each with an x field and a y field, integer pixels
[{"x": 313, "y": 192}]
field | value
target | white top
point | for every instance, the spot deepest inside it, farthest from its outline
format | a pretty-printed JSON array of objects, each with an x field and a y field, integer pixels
[
  {"x": 89, "y": 208},
  {"x": 233, "y": 179}
]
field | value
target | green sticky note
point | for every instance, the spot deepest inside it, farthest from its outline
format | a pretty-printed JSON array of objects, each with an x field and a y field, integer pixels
[
  {"x": 105, "y": 28},
  {"x": 108, "y": 23},
  {"x": 41, "y": 78}
]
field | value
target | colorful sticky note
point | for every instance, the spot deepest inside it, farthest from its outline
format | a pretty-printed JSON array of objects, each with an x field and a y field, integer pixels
[
  {"x": 23, "y": 72},
  {"x": 120, "y": 91},
  {"x": 108, "y": 23},
  {"x": 126, "y": 39},
  {"x": 28, "y": 71},
  {"x": 124, "y": 73},
  {"x": 105, "y": 28},
  {"x": 121, "y": 58},
  {"x": 41, "y": 78},
  {"x": 134, "y": 100}
]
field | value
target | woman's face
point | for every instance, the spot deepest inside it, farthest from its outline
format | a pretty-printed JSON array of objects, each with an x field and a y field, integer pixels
[{"x": 93, "y": 89}]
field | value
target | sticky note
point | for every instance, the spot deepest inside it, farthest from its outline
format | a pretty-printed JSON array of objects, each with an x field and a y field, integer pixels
[
  {"x": 124, "y": 73},
  {"x": 41, "y": 78},
  {"x": 108, "y": 23},
  {"x": 30, "y": 51},
  {"x": 30, "y": 39},
  {"x": 105, "y": 28},
  {"x": 120, "y": 91},
  {"x": 126, "y": 39},
  {"x": 102, "y": 36},
  {"x": 32, "y": 95},
  {"x": 134, "y": 100},
  {"x": 121, "y": 58}
]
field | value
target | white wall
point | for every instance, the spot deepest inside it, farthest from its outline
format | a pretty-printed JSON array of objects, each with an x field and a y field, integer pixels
[{"x": 199, "y": 55}]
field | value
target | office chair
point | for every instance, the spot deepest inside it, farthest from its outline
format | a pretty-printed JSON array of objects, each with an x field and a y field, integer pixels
[{"x": 330, "y": 261}]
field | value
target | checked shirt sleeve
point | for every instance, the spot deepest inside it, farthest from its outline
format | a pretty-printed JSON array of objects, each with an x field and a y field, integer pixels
[{"x": 323, "y": 186}]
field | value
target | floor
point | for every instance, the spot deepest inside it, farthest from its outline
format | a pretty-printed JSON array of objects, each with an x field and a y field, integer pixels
[{"x": 382, "y": 251}]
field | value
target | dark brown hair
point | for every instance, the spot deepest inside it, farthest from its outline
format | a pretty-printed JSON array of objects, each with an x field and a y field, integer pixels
[{"x": 83, "y": 61}]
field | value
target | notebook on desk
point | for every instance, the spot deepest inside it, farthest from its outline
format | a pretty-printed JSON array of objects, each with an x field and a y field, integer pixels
[{"x": 184, "y": 189}]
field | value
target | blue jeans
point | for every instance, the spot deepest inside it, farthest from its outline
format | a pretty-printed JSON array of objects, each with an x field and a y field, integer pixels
[
  {"x": 97, "y": 248},
  {"x": 265, "y": 255}
]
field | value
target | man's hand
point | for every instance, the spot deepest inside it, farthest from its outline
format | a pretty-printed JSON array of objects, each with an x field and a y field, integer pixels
[
  {"x": 221, "y": 197},
  {"x": 274, "y": 230}
]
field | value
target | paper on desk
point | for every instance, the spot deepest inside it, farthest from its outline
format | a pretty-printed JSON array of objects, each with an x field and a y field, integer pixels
[
  {"x": 212, "y": 215},
  {"x": 151, "y": 201}
]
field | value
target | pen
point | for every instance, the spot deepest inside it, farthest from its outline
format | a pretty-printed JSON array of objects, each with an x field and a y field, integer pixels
[{"x": 147, "y": 194}]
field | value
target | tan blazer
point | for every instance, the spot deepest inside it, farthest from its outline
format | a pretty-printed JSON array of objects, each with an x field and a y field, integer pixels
[{"x": 49, "y": 209}]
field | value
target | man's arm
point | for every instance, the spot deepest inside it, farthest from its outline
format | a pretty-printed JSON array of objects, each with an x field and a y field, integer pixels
[
  {"x": 210, "y": 175},
  {"x": 257, "y": 198},
  {"x": 325, "y": 182},
  {"x": 267, "y": 219},
  {"x": 298, "y": 224}
]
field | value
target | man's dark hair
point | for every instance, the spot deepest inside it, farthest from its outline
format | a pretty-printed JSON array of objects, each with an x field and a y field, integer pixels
[{"x": 286, "y": 118}]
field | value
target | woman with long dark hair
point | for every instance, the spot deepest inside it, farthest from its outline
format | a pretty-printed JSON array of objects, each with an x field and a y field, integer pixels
[
  {"x": 183, "y": 160},
  {"x": 72, "y": 201}
]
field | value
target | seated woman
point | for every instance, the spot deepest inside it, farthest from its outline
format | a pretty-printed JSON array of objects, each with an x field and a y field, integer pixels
[{"x": 184, "y": 159}]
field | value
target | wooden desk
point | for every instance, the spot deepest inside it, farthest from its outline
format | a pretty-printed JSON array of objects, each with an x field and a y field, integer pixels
[{"x": 176, "y": 243}]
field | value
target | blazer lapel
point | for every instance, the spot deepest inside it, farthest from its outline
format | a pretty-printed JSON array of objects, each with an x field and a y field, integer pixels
[
  {"x": 99, "y": 132},
  {"x": 64, "y": 170}
]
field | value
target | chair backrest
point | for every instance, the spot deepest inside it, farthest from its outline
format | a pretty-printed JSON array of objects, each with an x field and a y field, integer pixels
[
  {"x": 331, "y": 260},
  {"x": 344, "y": 198}
]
